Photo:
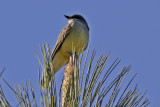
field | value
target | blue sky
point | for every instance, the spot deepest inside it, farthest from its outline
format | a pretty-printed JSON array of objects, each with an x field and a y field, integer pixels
[{"x": 129, "y": 28}]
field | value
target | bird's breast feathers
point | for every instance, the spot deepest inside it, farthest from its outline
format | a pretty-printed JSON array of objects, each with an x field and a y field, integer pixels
[{"x": 78, "y": 38}]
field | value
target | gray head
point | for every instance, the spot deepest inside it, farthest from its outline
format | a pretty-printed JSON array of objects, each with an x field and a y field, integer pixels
[{"x": 79, "y": 17}]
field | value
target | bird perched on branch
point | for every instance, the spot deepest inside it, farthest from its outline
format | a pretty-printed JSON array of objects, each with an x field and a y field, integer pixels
[{"x": 74, "y": 35}]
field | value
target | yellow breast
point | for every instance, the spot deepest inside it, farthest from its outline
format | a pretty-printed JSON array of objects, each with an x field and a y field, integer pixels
[{"x": 78, "y": 38}]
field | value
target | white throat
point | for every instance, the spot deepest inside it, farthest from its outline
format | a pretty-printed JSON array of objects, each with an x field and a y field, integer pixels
[
  {"x": 72, "y": 20},
  {"x": 76, "y": 21}
]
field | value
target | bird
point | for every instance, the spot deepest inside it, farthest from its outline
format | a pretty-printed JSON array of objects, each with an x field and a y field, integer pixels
[{"x": 74, "y": 34}]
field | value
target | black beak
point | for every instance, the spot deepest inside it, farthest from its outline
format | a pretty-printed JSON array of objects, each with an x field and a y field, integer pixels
[{"x": 68, "y": 17}]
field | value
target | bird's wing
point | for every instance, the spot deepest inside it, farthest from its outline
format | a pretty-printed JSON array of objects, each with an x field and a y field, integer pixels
[{"x": 63, "y": 34}]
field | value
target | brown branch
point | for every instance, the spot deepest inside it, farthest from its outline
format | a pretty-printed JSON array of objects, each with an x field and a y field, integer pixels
[{"x": 67, "y": 82}]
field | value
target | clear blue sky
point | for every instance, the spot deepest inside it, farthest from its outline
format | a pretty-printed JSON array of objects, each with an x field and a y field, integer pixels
[{"x": 129, "y": 28}]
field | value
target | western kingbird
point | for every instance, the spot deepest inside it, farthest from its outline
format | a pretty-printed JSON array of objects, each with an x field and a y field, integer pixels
[{"x": 74, "y": 35}]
